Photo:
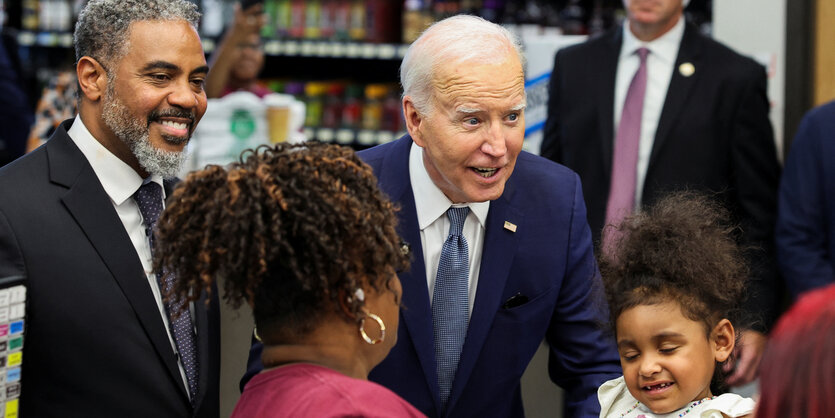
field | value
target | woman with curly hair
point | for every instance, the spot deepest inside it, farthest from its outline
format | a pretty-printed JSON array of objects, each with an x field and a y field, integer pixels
[
  {"x": 673, "y": 284},
  {"x": 303, "y": 235}
]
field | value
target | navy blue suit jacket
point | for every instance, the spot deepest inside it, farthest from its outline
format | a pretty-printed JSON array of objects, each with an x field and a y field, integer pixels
[
  {"x": 548, "y": 259},
  {"x": 806, "y": 212}
]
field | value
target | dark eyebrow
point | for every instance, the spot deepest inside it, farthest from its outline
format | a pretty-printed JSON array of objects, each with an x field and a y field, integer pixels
[
  {"x": 160, "y": 65},
  {"x": 165, "y": 65},
  {"x": 204, "y": 69}
]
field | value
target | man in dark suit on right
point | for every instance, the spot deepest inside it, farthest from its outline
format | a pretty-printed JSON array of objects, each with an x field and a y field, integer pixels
[{"x": 654, "y": 107}]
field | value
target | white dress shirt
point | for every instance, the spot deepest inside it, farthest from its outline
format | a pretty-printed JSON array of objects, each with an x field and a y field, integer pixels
[
  {"x": 121, "y": 182},
  {"x": 660, "y": 62},
  {"x": 431, "y": 205}
]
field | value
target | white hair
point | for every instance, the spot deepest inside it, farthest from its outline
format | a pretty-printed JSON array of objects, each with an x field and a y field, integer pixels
[{"x": 454, "y": 40}]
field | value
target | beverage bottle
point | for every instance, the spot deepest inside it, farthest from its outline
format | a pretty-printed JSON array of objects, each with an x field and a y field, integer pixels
[
  {"x": 372, "y": 110},
  {"x": 311, "y": 18},
  {"x": 282, "y": 19},
  {"x": 342, "y": 20},
  {"x": 392, "y": 115},
  {"x": 297, "y": 21},
  {"x": 332, "y": 108},
  {"x": 314, "y": 101},
  {"x": 352, "y": 107},
  {"x": 356, "y": 28},
  {"x": 327, "y": 19},
  {"x": 413, "y": 11}
]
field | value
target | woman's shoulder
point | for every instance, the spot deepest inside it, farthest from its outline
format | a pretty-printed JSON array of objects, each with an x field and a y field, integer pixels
[{"x": 310, "y": 390}]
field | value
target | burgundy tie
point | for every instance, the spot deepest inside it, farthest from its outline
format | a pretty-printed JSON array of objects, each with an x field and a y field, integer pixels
[{"x": 624, "y": 165}]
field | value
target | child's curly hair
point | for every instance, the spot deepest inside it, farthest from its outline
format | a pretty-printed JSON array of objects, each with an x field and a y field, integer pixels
[
  {"x": 293, "y": 230},
  {"x": 680, "y": 249}
]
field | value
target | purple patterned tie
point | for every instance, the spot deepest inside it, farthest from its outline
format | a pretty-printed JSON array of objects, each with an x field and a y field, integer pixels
[
  {"x": 624, "y": 165},
  {"x": 149, "y": 199}
]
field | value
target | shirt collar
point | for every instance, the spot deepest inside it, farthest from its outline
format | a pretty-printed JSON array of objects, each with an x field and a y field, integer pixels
[
  {"x": 433, "y": 203},
  {"x": 665, "y": 47},
  {"x": 118, "y": 179}
]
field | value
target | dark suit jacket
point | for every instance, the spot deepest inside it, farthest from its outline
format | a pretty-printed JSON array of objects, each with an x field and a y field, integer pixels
[
  {"x": 806, "y": 221},
  {"x": 714, "y": 135},
  {"x": 95, "y": 343},
  {"x": 549, "y": 260}
]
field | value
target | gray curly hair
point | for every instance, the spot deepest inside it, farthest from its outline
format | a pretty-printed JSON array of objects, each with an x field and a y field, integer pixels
[{"x": 103, "y": 26}]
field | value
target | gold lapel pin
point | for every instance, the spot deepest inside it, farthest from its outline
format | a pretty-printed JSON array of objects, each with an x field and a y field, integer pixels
[
  {"x": 687, "y": 69},
  {"x": 509, "y": 226}
]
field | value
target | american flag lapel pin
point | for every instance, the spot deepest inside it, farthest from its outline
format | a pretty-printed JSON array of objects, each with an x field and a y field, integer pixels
[{"x": 510, "y": 226}]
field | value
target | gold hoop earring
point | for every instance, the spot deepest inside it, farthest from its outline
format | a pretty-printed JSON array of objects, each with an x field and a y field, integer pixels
[
  {"x": 382, "y": 329},
  {"x": 255, "y": 334}
]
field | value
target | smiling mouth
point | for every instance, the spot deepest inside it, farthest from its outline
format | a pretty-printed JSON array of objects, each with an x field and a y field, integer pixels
[
  {"x": 485, "y": 172},
  {"x": 657, "y": 387}
]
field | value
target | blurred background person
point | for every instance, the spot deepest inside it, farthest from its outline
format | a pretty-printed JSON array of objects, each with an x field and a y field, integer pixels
[
  {"x": 304, "y": 236},
  {"x": 797, "y": 377},
  {"x": 57, "y": 104},
  {"x": 806, "y": 213},
  {"x": 15, "y": 114},
  {"x": 653, "y": 107},
  {"x": 239, "y": 57}
]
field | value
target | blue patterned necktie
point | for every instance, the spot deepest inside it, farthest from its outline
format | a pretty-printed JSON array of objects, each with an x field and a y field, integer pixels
[
  {"x": 149, "y": 199},
  {"x": 450, "y": 304}
]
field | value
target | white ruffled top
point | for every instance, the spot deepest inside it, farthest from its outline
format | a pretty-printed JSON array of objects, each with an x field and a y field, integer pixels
[{"x": 615, "y": 400}]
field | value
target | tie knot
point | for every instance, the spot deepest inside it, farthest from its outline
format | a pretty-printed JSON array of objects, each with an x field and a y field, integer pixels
[
  {"x": 457, "y": 216},
  {"x": 642, "y": 54},
  {"x": 149, "y": 200}
]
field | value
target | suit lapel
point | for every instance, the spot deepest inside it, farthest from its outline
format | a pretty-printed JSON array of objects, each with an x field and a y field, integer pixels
[
  {"x": 679, "y": 90},
  {"x": 201, "y": 322},
  {"x": 91, "y": 208},
  {"x": 496, "y": 259},
  {"x": 606, "y": 72},
  {"x": 415, "y": 313}
]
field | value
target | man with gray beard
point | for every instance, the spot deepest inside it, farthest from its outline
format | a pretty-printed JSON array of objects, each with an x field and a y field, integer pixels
[{"x": 76, "y": 221}]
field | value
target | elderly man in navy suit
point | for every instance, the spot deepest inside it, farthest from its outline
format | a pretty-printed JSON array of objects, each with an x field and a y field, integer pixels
[{"x": 502, "y": 253}]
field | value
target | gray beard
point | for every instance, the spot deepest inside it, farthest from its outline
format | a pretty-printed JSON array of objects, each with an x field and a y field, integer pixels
[{"x": 135, "y": 134}]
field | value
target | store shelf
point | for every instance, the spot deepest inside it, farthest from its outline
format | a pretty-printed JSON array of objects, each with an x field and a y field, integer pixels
[
  {"x": 351, "y": 136},
  {"x": 327, "y": 49},
  {"x": 45, "y": 39},
  {"x": 295, "y": 48}
]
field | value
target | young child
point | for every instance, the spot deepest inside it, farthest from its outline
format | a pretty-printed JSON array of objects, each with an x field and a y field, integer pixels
[{"x": 673, "y": 283}]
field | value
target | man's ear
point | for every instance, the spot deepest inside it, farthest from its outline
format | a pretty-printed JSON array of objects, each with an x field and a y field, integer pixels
[
  {"x": 413, "y": 120},
  {"x": 723, "y": 339},
  {"x": 92, "y": 78}
]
